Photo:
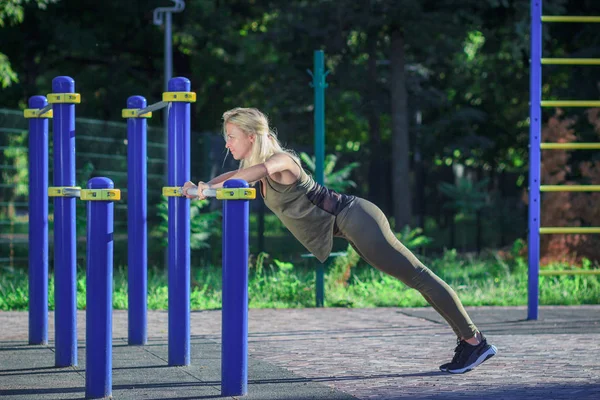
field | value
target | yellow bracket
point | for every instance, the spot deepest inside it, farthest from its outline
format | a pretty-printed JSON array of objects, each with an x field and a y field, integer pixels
[
  {"x": 172, "y": 191},
  {"x": 132, "y": 113},
  {"x": 69, "y": 98},
  {"x": 34, "y": 113},
  {"x": 236, "y": 194},
  {"x": 64, "y": 191},
  {"x": 189, "y": 97},
  {"x": 101, "y": 194}
]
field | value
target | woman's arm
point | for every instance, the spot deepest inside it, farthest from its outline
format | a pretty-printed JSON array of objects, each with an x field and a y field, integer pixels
[
  {"x": 279, "y": 162},
  {"x": 221, "y": 178}
]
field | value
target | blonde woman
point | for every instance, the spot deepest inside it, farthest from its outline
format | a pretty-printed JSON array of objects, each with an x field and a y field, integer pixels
[{"x": 315, "y": 214}]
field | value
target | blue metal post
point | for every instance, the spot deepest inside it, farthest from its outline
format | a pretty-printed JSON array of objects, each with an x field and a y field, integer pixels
[
  {"x": 319, "y": 85},
  {"x": 65, "y": 260},
  {"x": 137, "y": 232},
  {"x": 234, "y": 348},
  {"x": 319, "y": 116},
  {"x": 179, "y": 228},
  {"x": 99, "y": 277},
  {"x": 535, "y": 129},
  {"x": 38, "y": 225}
]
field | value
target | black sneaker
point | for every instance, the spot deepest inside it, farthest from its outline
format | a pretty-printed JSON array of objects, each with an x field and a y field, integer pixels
[{"x": 466, "y": 356}]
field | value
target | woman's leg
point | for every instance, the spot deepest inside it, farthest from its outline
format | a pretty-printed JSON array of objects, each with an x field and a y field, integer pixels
[{"x": 368, "y": 230}]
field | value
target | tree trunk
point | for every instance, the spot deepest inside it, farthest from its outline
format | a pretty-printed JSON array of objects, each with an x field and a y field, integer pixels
[{"x": 400, "y": 142}]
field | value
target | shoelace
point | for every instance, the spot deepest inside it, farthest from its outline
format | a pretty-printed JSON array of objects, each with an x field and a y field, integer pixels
[{"x": 458, "y": 350}]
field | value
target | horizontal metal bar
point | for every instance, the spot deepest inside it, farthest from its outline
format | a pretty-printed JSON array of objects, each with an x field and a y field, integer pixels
[
  {"x": 570, "y": 146},
  {"x": 103, "y": 156},
  {"x": 571, "y": 272},
  {"x": 100, "y": 139},
  {"x": 571, "y": 61},
  {"x": 570, "y": 103},
  {"x": 108, "y": 173},
  {"x": 570, "y": 188},
  {"x": 153, "y": 107},
  {"x": 570, "y": 18},
  {"x": 569, "y": 230}
]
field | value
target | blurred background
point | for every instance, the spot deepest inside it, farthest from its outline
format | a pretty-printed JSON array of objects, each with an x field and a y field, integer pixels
[{"x": 426, "y": 110}]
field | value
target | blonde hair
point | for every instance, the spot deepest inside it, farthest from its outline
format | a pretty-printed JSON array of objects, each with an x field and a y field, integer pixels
[{"x": 253, "y": 122}]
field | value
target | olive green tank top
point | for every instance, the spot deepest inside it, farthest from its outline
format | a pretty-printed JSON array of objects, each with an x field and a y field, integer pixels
[{"x": 308, "y": 210}]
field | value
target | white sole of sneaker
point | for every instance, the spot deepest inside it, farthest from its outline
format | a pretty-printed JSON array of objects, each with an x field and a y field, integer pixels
[{"x": 488, "y": 354}]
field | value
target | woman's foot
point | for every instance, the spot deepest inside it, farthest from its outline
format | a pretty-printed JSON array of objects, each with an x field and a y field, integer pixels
[{"x": 467, "y": 356}]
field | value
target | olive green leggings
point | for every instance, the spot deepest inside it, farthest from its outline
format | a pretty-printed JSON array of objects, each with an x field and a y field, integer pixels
[{"x": 367, "y": 229}]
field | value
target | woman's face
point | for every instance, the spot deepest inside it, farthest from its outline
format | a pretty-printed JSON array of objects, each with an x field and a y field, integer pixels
[{"x": 238, "y": 142}]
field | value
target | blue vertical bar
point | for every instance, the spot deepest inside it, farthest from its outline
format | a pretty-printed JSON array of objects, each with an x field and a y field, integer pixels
[
  {"x": 179, "y": 227},
  {"x": 535, "y": 129},
  {"x": 65, "y": 260},
  {"x": 99, "y": 278},
  {"x": 234, "y": 348},
  {"x": 38, "y": 225},
  {"x": 137, "y": 230},
  {"x": 319, "y": 86}
]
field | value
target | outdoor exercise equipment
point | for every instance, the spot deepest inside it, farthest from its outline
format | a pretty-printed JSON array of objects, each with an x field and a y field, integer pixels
[
  {"x": 535, "y": 147},
  {"x": 234, "y": 330}
]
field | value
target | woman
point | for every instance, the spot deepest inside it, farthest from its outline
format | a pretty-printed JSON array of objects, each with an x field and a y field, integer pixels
[{"x": 315, "y": 214}]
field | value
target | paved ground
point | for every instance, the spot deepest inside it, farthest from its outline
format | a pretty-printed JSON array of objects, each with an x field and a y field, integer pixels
[{"x": 383, "y": 353}]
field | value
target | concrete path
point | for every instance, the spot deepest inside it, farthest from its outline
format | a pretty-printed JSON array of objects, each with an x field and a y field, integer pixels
[{"x": 331, "y": 353}]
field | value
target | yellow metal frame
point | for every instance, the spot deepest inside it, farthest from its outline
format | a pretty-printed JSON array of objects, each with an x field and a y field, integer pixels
[
  {"x": 172, "y": 191},
  {"x": 570, "y": 103},
  {"x": 570, "y": 146},
  {"x": 63, "y": 98},
  {"x": 570, "y": 61},
  {"x": 221, "y": 193},
  {"x": 132, "y": 113},
  {"x": 570, "y": 188},
  {"x": 101, "y": 194},
  {"x": 236, "y": 194},
  {"x": 570, "y": 18},
  {"x": 35, "y": 113},
  {"x": 569, "y": 230},
  {"x": 186, "y": 97},
  {"x": 571, "y": 272},
  {"x": 62, "y": 191}
]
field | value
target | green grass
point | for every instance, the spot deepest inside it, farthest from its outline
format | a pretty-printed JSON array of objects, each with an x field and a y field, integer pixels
[{"x": 483, "y": 280}]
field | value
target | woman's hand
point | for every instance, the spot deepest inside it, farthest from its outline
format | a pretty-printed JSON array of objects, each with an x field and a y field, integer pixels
[{"x": 200, "y": 189}]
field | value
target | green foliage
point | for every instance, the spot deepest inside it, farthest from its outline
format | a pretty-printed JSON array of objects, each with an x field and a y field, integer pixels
[
  {"x": 12, "y": 12},
  {"x": 203, "y": 225},
  {"x": 466, "y": 197},
  {"x": 413, "y": 238},
  {"x": 490, "y": 279},
  {"x": 335, "y": 180}
]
